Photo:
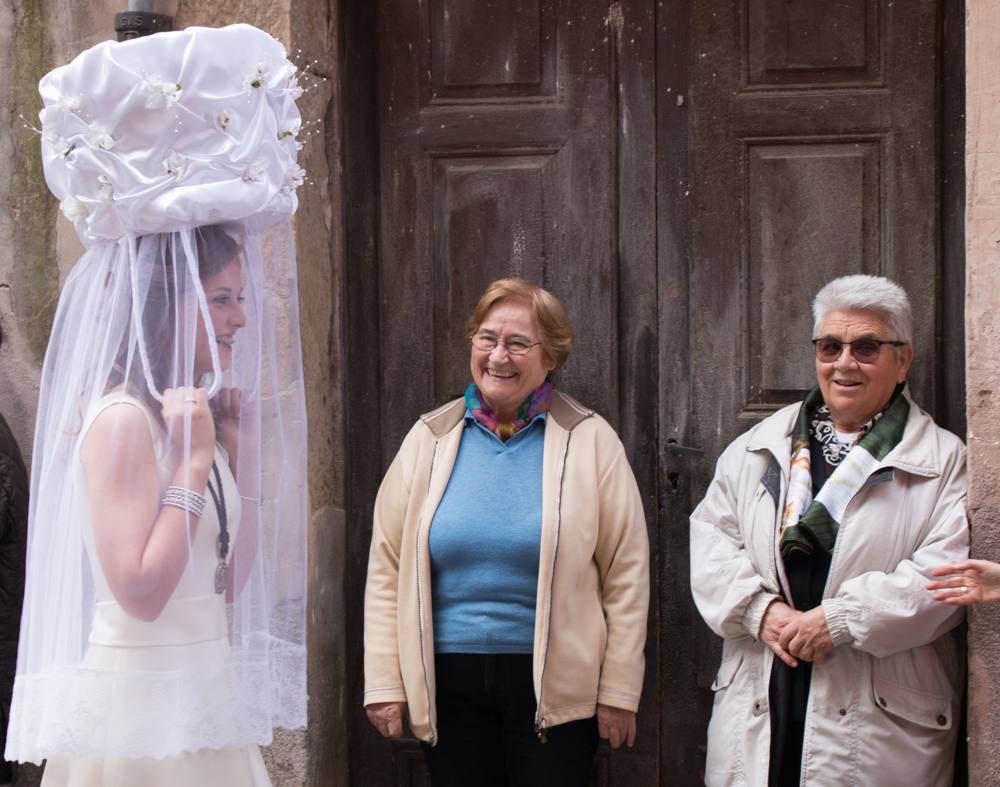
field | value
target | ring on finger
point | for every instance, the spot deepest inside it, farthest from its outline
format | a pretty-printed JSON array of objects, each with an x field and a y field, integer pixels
[
  {"x": 963, "y": 589},
  {"x": 191, "y": 399}
]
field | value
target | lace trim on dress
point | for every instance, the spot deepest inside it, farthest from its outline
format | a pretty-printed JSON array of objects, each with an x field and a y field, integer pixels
[{"x": 82, "y": 712}]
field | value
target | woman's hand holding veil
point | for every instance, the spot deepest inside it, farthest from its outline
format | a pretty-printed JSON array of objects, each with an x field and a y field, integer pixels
[{"x": 189, "y": 424}]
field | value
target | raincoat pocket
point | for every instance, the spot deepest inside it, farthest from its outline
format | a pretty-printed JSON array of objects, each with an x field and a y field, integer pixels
[
  {"x": 933, "y": 711},
  {"x": 727, "y": 670}
]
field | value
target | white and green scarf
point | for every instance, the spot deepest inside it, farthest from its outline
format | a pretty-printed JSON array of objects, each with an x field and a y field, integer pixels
[{"x": 809, "y": 524}]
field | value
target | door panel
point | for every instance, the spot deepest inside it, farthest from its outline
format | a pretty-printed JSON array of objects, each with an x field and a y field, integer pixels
[
  {"x": 814, "y": 154},
  {"x": 811, "y": 213},
  {"x": 490, "y": 210},
  {"x": 799, "y": 178},
  {"x": 491, "y": 49},
  {"x": 491, "y": 170},
  {"x": 500, "y": 149},
  {"x": 683, "y": 175},
  {"x": 806, "y": 44}
]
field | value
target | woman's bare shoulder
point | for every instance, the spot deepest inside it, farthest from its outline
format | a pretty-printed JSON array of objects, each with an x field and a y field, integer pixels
[{"x": 120, "y": 431}]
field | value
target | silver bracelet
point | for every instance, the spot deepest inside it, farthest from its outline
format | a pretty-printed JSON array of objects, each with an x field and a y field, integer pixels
[{"x": 185, "y": 499}]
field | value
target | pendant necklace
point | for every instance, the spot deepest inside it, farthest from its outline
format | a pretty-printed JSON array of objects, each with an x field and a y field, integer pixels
[{"x": 219, "y": 498}]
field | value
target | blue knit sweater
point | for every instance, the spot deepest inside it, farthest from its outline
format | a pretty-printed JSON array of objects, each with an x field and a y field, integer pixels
[{"x": 484, "y": 543}]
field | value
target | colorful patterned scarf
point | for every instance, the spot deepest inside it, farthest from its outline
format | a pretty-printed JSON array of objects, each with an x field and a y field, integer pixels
[
  {"x": 824, "y": 433},
  {"x": 809, "y": 524},
  {"x": 534, "y": 405}
]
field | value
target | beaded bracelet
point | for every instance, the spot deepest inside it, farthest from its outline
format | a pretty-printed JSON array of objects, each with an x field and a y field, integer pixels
[{"x": 185, "y": 499}]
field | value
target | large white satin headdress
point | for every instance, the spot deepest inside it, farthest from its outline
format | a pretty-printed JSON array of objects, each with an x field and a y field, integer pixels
[
  {"x": 146, "y": 143},
  {"x": 173, "y": 131}
]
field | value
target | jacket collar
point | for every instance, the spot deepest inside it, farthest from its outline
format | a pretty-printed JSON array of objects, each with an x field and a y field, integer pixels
[
  {"x": 916, "y": 453},
  {"x": 564, "y": 410}
]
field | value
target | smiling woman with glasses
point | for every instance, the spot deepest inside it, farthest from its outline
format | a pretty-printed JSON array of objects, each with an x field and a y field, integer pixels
[
  {"x": 505, "y": 611},
  {"x": 809, "y": 557}
]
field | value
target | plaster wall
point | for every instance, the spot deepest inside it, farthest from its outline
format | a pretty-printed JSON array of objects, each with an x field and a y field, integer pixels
[
  {"x": 983, "y": 370},
  {"x": 38, "y": 247},
  {"x": 28, "y": 273}
]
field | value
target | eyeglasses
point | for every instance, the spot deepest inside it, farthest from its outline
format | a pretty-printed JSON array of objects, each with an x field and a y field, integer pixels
[
  {"x": 865, "y": 350},
  {"x": 516, "y": 345}
]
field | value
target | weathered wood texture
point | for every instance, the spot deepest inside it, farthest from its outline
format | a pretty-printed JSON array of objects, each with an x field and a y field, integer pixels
[
  {"x": 687, "y": 650},
  {"x": 362, "y": 387},
  {"x": 683, "y": 175},
  {"x": 514, "y": 139},
  {"x": 814, "y": 154},
  {"x": 800, "y": 177}
]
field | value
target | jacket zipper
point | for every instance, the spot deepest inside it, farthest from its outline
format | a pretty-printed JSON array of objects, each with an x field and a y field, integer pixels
[
  {"x": 784, "y": 588},
  {"x": 420, "y": 610},
  {"x": 541, "y": 725},
  {"x": 837, "y": 543}
]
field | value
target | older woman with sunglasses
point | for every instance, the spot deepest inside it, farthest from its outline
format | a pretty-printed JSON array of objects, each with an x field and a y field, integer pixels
[
  {"x": 505, "y": 611},
  {"x": 809, "y": 557}
]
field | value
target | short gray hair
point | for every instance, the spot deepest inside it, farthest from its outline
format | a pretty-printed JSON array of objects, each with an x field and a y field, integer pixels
[{"x": 864, "y": 293}]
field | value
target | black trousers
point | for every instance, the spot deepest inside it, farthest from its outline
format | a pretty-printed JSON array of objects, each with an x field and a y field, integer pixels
[{"x": 486, "y": 728}]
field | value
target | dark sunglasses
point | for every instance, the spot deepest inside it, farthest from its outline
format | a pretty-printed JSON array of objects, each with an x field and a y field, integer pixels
[{"x": 865, "y": 350}]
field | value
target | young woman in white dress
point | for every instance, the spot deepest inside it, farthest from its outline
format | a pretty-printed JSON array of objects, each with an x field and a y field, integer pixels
[
  {"x": 163, "y": 633},
  {"x": 154, "y": 564}
]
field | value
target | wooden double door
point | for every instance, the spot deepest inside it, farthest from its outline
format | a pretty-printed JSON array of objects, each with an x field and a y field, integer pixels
[{"x": 683, "y": 175}]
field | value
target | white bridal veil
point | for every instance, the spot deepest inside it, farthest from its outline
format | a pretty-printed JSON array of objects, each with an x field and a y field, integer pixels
[{"x": 173, "y": 156}]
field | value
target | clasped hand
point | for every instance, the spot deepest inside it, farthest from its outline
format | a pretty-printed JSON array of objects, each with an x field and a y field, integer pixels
[{"x": 794, "y": 635}]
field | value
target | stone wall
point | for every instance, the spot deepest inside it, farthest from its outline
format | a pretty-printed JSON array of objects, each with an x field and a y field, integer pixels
[
  {"x": 29, "y": 277},
  {"x": 983, "y": 369},
  {"x": 38, "y": 247}
]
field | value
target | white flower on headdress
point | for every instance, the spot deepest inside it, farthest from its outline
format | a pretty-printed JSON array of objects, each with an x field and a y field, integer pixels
[
  {"x": 173, "y": 164},
  {"x": 58, "y": 142},
  {"x": 294, "y": 88},
  {"x": 256, "y": 78},
  {"x": 73, "y": 209},
  {"x": 295, "y": 177},
  {"x": 255, "y": 172},
  {"x": 290, "y": 132},
  {"x": 162, "y": 94},
  {"x": 71, "y": 103},
  {"x": 100, "y": 137},
  {"x": 224, "y": 119},
  {"x": 106, "y": 191}
]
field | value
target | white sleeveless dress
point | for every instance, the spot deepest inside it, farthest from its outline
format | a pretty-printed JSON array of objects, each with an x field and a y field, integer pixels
[{"x": 191, "y": 630}]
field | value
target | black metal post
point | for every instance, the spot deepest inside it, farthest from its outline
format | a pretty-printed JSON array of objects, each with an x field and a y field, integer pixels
[{"x": 140, "y": 21}]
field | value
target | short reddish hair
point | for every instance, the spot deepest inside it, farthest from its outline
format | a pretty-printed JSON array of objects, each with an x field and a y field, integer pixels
[{"x": 556, "y": 332}]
